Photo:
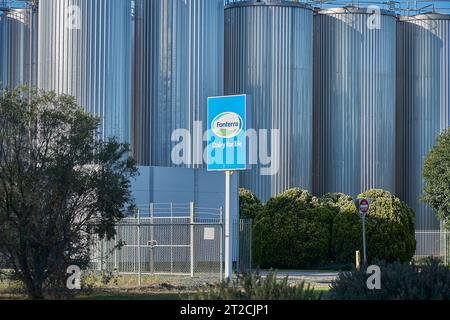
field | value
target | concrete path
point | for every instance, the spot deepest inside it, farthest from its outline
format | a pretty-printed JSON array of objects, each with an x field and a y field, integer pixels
[{"x": 315, "y": 278}]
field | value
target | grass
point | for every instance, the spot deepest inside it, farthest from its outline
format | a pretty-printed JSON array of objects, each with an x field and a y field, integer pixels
[{"x": 125, "y": 288}]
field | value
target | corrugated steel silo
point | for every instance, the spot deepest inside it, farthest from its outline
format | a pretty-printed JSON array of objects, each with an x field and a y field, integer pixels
[
  {"x": 85, "y": 51},
  {"x": 423, "y": 103},
  {"x": 268, "y": 55},
  {"x": 354, "y": 101},
  {"x": 178, "y": 65},
  {"x": 18, "y": 47}
]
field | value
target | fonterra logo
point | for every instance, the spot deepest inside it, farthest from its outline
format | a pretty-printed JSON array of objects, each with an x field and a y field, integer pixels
[{"x": 227, "y": 125}]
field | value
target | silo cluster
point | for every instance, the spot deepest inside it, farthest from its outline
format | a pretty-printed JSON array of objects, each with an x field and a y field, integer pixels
[
  {"x": 354, "y": 105},
  {"x": 269, "y": 55},
  {"x": 423, "y": 101},
  {"x": 178, "y": 65},
  {"x": 18, "y": 47},
  {"x": 85, "y": 51},
  {"x": 354, "y": 101}
]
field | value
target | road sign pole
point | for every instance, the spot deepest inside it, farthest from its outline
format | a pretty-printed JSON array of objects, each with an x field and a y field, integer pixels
[
  {"x": 364, "y": 239},
  {"x": 363, "y": 206},
  {"x": 228, "y": 238}
]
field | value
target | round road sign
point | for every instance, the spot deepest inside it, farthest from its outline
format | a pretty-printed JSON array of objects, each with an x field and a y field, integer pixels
[{"x": 364, "y": 206}]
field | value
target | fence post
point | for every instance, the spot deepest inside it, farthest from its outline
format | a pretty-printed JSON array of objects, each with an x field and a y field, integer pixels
[
  {"x": 446, "y": 246},
  {"x": 139, "y": 248},
  {"x": 152, "y": 215},
  {"x": 192, "y": 220},
  {"x": 100, "y": 253},
  {"x": 115, "y": 249}
]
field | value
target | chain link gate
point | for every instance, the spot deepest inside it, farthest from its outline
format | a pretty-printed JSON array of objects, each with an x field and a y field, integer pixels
[{"x": 165, "y": 239}]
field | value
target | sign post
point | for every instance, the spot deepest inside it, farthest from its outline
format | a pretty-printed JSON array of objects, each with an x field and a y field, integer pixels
[
  {"x": 363, "y": 206},
  {"x": 227, "y": 151}
]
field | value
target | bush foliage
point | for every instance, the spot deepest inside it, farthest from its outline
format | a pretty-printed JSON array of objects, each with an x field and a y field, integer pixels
[
  {"x": 297, "y": 230},
  {"x": 289, "y": 232},
  {"x": 390, "y": 228},
  {"x": 249, "y": 204}
]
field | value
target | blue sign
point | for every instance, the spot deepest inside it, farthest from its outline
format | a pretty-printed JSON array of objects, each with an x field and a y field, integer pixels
[{"x": 227, "y": 127}]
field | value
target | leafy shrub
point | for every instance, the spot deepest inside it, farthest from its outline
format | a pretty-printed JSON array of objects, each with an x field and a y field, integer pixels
[
  {"x": 399, "y": 281},
  {"x": 249, "y": 204},
  {"x": 390, "y": 228},
  {"x": 255, "y": 287},
  {"x": 290, "y": 233}
]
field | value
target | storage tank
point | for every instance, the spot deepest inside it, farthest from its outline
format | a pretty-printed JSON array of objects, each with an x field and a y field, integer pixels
[
  {"x": 18, "y": 47},
  {"x": 354, "y": 101},
  {"x": 423, "y": 108},
  {"x": 178, "y": 65},
  {"x": 85, "y": 51},
  {"x": 269, "y": 55}
]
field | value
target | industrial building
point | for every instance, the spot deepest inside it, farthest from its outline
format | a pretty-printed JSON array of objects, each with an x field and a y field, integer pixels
[{"x": 356, "y": 106}]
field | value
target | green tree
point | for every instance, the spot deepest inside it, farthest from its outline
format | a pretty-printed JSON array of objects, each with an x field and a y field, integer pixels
[
  {"x": 436, "y": 172},
  {"x": 59, "y": 186},
  {"x": 249, "y": 204}
]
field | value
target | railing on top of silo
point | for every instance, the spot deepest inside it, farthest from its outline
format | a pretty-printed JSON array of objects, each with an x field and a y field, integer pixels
[{"x": 401, "y": 7}]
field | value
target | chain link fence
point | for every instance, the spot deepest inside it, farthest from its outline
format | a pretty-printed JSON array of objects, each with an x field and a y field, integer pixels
[
  {"x": 173, "y": 239},
  {"x": 433, "y": 244}
]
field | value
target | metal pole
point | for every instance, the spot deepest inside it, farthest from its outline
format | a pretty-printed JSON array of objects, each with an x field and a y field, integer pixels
[
  {"x": 364, "y": 239},
  {"x": 139, "y": 248},
  {"x": 251, "y": 240},
  {"x": 171, "y": 237},
  {"x": 221, "y": 244},
  {"x": 228, "y": 238},
  {"x": 192, "y": 237}
]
